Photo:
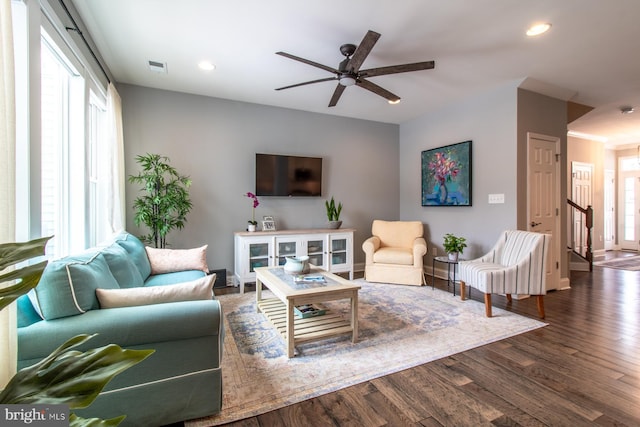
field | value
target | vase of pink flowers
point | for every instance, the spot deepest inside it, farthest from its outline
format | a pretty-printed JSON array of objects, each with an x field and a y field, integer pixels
[
  {"x": 252, "y": 223},
  {"x": 444, "y": 170}
]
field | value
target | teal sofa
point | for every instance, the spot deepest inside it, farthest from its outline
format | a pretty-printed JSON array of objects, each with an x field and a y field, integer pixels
[{"x": 181, "y": 380}]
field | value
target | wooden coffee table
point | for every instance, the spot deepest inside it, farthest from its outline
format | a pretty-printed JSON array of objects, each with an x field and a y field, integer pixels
[{"x": 289, "y": 294}]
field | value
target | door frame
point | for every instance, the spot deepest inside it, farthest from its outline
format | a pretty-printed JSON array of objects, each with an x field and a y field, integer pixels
[
  {"x": 555, "y": 260},
  {"x": 622, "y": 176},
  {"x": 610, "y": 209}
]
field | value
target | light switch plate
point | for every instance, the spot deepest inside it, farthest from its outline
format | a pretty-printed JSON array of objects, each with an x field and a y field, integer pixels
[{"x": 496, "y": 198}]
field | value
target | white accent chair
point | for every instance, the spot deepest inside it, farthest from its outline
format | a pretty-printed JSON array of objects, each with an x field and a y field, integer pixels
[
  {"x": 515, "y": 265},
  {"x": 394, "y": 253}
]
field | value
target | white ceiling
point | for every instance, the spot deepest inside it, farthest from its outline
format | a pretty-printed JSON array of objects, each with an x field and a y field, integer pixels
[{"x": 590, "y": 55}]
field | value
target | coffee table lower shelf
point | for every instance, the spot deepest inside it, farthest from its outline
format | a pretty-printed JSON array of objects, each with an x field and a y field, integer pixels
[{"x": 305, "y": 330}]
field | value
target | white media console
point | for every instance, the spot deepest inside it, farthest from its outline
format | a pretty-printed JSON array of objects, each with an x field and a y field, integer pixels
[{"x": 329, "y": 249}]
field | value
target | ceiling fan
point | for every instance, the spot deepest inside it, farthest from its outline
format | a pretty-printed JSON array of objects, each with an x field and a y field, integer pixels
[{"x": 348, "y": 72}]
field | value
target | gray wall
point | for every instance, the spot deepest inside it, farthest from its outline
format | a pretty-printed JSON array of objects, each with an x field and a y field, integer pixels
[
  {"x": 489, "y": 120},
  {"x": 547, "y": 116},
  {"x": 214, "y": 141}
]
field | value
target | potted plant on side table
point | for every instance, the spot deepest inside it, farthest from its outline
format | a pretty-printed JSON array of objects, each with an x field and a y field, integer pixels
[
  {"x": 333, "y": 213},
  {"x": 454, "y": 246}
]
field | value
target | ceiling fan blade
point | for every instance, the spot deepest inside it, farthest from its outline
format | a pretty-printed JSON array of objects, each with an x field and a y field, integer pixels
[
  {"x": 365, "y": 84},
  {"x": 307, "y": 83},
  {"x": 336, "y": 95},
  {"x": 306, "y": 61},
  {"x": 363, "y": 50},
  {"x": 394, "y": 69}
]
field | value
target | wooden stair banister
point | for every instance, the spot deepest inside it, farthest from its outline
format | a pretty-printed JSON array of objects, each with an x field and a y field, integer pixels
[{"x": 588, "y": 221}]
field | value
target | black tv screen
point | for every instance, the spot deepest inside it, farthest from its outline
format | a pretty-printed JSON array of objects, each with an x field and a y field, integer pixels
[{"x": 292, "y": 176}]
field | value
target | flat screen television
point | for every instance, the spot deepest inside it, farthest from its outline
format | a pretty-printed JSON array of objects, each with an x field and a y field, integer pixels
[{"x": 289, "y": 176}]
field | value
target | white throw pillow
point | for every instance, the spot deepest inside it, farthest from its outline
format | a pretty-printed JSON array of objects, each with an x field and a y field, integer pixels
[
  {"x": 171, "y": 260},
  {"x": 200, "y": 289}
]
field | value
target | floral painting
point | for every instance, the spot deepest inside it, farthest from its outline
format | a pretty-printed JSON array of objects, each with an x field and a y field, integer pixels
[{"x": 446, "y": 175}]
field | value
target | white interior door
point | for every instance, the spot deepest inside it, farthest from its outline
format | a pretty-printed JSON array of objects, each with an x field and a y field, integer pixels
[
  {"x": 581, "y": 194},
  {"x": 609, "y": 209},
  {"x": 543, "y": 194}
]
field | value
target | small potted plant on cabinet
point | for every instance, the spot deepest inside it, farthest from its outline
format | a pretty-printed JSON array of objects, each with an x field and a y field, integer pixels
[
  {"x": 454, "y": 246},
  {"x": 333, "y": 213}
]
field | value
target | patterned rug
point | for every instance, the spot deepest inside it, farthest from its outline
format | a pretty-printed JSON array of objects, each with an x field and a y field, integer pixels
[
  {"x": 400, "y": 327},
  {"x": 631, "y": 263}
]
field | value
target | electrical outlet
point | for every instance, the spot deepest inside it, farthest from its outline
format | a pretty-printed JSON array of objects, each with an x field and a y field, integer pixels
[{"x": 435, "y": 251}]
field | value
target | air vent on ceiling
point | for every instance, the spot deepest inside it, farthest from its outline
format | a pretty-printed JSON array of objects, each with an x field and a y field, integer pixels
[{"x": 157, "y": 67}]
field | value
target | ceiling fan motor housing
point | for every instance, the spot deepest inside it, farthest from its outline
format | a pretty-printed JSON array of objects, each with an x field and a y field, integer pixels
[{"x": 348, "y": 49}]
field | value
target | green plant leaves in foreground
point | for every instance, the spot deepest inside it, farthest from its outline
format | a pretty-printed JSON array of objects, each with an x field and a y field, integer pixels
[
  {"x": 29, "y": 277},
  {"x": 75, "y": 421},
  {"x": 69, "y": 376}
]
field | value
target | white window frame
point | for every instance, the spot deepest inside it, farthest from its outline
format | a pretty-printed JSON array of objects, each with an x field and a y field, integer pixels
[{"x": 37, "y": 18}]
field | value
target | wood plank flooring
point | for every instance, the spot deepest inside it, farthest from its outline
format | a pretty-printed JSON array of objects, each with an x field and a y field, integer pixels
[{"x": 583, "y": 369}]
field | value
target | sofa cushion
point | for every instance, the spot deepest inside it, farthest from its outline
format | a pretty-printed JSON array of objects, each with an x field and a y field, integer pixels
[
  {"x": 172, "y": 260},
  {"x": 135, "y": 249},
  {"x": 173, "y": 278},
  {"x": 387, "y": 255},
  {"x": 123, "y": 269},
  {"x": 27, "y": 314},
  {"x": 68, "y": 285},
  {"x": 199, "y": 289}
]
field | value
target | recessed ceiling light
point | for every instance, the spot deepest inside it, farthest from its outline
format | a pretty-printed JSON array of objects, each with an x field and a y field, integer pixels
[
  {"x": 537, "y": 29},
  {"x": 626, "y": 110},
  {"x": 206, "y": 66},
  {"x": 397, "y": 101}
]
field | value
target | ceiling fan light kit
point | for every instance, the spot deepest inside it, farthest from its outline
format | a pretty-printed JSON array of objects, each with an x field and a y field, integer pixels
[
  {"x": 348, "y": 72},
  {"x": 347, "y": 80}
]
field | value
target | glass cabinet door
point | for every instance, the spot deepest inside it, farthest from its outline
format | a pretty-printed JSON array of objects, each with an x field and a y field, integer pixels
[
  {"x": 285, "y": 248},
  {"x": 339, "y": 253},
  {"x": 315, "y": 250},
  {"x": 258, "y": 255}
]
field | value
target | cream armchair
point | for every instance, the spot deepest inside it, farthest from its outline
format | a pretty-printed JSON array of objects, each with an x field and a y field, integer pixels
[
  {"x": 515, "y": 265},
  {"x": 394, "y": 254}
]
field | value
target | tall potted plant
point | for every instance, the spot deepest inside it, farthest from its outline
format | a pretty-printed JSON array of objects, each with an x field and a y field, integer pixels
[{"x": 166, "y": 202}]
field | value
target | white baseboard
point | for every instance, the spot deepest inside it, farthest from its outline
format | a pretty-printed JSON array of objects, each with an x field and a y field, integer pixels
[
  {"x": 579, "y": 266},
  {"x": 565, "y": 284},
  {"x": 599, "y": 253}
]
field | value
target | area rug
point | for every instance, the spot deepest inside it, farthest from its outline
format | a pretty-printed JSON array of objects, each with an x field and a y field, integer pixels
[
  {"x": 631, "y": 263},
  {"x": 400, "y": 327}
]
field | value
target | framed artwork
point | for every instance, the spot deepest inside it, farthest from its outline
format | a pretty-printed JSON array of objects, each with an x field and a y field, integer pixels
[
  {"x": 446, "y": 175},
  {"x": 268, "y": 225}
]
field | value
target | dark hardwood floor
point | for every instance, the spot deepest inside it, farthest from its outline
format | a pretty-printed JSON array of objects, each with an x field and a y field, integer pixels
[{"x": 582, "y": 369}]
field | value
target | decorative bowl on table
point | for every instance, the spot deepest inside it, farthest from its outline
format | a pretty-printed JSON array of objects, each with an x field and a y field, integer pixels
[{"x": 297, "y": 265}]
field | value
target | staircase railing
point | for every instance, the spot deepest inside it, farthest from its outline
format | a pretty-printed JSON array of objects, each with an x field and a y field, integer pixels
[{"x": 582, "y": 235}]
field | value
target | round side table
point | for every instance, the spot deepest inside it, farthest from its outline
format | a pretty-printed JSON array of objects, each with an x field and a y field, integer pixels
[{"x": 451, "y": 265}]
